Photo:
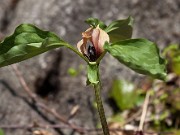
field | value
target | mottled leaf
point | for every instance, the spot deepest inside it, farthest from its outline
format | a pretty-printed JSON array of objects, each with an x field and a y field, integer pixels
[
  {"x": 26, "y": 42},
  {"x": 140, "y": 55},
  {"x": 120, "y": 29}
]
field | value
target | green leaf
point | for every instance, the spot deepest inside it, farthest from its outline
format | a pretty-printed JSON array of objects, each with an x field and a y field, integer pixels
[
  {"x": 140, "y": 55},
  {"x": 94, "y": 22},
  {"x": 176, "y": 65},
  {"x": 27, "y": 41},
  {"x": 92, "y": 73},
  {"x": 120, "y": 29},
  {"x": 123, "y": 94},
  {"x": 117, "y": 118},
  {"x": 172, "y": 53},
  {"x": 171, "y": 50},
  {"x": 1, "y": 132}
]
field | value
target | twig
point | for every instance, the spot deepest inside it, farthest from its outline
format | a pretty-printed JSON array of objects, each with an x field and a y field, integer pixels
[
  {"x": 23, "y": 83},
  {"x": 144, "y": 111},
  {"x": 134, "y": 116},
  {"x": 73, "y": 112},
  {"x": 31, "y": 126}
]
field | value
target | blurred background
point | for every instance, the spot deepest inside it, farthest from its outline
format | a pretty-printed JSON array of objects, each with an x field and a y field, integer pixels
[{"x": 58, "y": 77}]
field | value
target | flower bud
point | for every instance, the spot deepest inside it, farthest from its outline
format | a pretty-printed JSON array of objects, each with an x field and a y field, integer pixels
[{"x": 93, "y": 40}]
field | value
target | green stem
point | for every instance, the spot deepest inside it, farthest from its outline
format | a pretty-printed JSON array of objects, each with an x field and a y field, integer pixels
[
  {"x": 71, "y": 48},
  {"x": 77, "y": 52},
  {"x": 97, "y": 88}
]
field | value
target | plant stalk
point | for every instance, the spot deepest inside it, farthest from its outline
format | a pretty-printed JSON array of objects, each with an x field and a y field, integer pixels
[
  {"x": 97, "y": 88},
  {"x": 77, "y": 52}
]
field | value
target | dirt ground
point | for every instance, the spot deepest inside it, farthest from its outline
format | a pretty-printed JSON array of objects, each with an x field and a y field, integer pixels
[{"x": 47, "y": 74}]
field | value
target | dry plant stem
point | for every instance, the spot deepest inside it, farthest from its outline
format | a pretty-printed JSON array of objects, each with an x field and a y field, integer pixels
[
  {"x": 97, "y": 88},
  {"x": 31, "y": 126},
  {"x": 23, "y": 83},
  {"x": 133, "y": 117},
  {"x": 144, "y": 111},
  {"x": 40, "y": 104}
]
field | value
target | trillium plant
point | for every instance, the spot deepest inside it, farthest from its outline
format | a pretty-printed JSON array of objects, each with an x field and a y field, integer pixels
[{"x": 140, "y": 55}]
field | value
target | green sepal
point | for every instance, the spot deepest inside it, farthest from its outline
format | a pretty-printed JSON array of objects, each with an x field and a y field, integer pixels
[
  {"x": 94, "y": 22},
  {"x": 92, "y": 73}
]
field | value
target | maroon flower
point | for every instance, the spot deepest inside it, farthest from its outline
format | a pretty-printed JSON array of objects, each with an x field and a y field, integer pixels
[{"x": 92, "y": 43}]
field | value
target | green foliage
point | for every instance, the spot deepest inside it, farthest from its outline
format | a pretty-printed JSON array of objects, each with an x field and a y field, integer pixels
[
  {"x": 92, "y": 73},
  {"x": 120, "y": 29},
  {"x": 117, "y": 118},
  {"x": 75, "y": 71},
  {"x": 123, "y": 94},
  {"x": 176, "y": 132},
  {"x": 166, "y": 99},
  {"x": 158, "y": 122},
  {"x": 26, "y": 42},
  {"x": 117, "y": 30},
  {"x": 1, "y": 132},
  {"x": 172, "y": 52},
  {"x": 72, "y": 72},
  {"x": 140, "y": 55},
  {"x": 94, "y": 22}
]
